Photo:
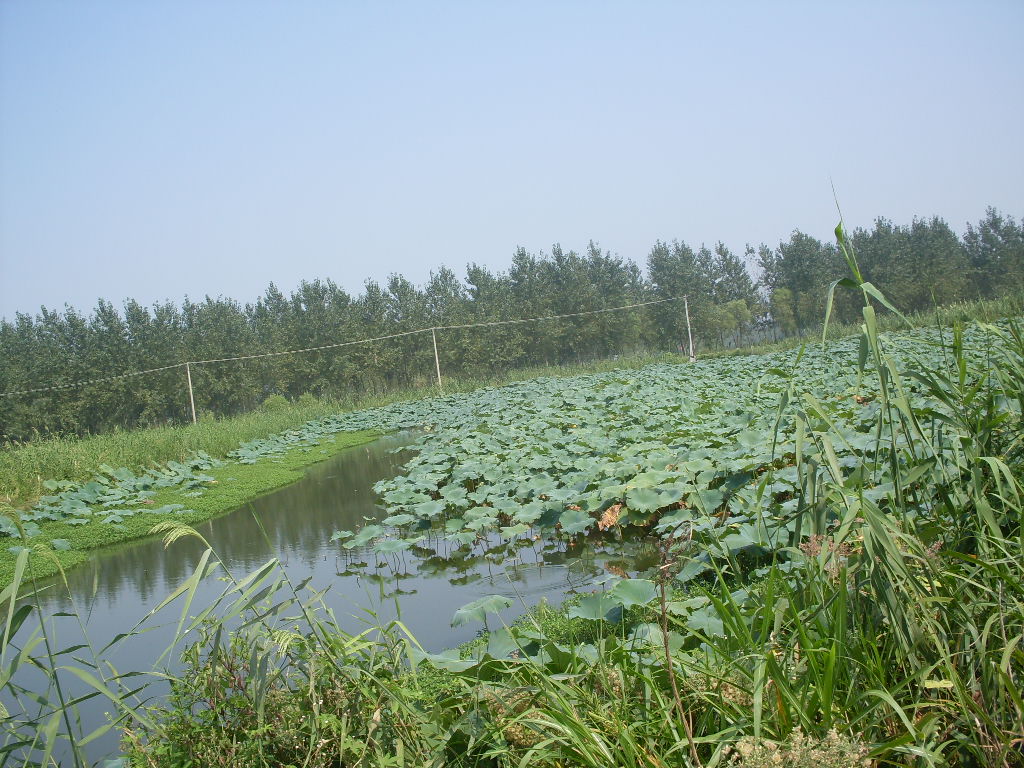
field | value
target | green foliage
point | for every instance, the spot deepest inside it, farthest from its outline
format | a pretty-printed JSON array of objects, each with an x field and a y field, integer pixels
[{"x": 275, "y": 403}]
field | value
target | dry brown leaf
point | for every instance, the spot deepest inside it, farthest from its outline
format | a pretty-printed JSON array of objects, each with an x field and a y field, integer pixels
[{"x": 610, "y": 517}]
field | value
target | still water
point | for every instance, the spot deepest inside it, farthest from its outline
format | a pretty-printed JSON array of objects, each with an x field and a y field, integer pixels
[{"x": 423, "y": 588}]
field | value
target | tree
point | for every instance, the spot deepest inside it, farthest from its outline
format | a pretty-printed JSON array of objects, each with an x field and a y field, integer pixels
[
  {"x": 674, "y": 272},
  {"x": 995, "y": 254}
]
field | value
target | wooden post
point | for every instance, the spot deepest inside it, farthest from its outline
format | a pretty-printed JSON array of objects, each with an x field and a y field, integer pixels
[
  {"x": 191, "y": 397},
  {"x": 437, "y": 360},
  {"x": 689, "y": 333}
]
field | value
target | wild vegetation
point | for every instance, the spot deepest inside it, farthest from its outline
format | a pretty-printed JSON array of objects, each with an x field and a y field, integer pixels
[
  {"x": 838, "y": 580},
  {"x": 923, "y": 265}
]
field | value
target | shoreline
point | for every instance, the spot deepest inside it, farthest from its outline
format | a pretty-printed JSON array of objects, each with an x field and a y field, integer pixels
[{"x": 234, "y": 484}]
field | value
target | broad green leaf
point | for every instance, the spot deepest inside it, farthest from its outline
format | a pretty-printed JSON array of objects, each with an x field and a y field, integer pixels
[
  {"x": 575, "y": 521},
  {"x": 594, "y": 607},
  {"x": 478, "y": 609},
  {"x": 644, "y": 499},
  {"x": 629, "y": 592},
  {"x": 706, "y": 620}
]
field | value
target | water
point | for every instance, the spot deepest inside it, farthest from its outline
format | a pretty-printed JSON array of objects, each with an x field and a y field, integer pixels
[{"x": 423, "y": 588}]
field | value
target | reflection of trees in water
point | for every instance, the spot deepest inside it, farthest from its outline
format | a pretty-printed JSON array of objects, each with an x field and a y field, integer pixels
[{"x": 295, "y": 523}]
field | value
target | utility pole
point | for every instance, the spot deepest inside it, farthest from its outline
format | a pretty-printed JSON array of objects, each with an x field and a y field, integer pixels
[
  {"x": 437, "y": 360},
  {"x": 191, "y": 397},
  {"x": 689, "y": 333}
]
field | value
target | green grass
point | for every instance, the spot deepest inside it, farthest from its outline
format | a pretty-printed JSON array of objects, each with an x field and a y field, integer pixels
[
  {"x": 24, "y": 466},
  {"x": 235, "y": 484}
]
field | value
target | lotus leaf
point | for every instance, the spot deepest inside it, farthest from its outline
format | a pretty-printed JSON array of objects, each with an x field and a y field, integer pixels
[{"x": 478, "y": 609}]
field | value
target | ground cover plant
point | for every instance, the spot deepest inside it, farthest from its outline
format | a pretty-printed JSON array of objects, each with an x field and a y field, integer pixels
[{"x": 838, "y": 580}]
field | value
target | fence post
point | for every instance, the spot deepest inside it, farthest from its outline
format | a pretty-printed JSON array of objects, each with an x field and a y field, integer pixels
[
  {"x": 689, "y": 333},
  {"x": 437, "y": 360},
  {"x": 191, "y": 397}
]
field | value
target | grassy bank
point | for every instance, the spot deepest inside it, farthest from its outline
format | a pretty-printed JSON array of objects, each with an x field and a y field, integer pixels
[{"x": 232, "y": 485}]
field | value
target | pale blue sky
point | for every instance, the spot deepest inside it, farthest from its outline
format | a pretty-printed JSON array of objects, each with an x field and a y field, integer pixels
[{"x": 153, "y": 150}]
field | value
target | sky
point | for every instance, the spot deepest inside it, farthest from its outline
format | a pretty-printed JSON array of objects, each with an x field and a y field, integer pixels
[{"x": 165, "y": 149}]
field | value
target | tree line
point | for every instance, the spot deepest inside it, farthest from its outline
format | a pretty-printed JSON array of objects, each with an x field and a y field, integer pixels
[{"x": 776, "y": 291}]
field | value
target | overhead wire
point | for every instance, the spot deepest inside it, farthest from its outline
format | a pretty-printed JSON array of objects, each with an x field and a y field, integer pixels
[{"x": 335, "y": 345}]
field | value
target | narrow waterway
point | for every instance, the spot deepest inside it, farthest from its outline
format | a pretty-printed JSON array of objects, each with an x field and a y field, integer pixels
[{"x": 120, "y": 586}]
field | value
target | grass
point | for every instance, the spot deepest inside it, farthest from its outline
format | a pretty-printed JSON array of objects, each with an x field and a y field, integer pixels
[
  {"x": 24, "y": 466},
  {"x": 234, "y": 485}
]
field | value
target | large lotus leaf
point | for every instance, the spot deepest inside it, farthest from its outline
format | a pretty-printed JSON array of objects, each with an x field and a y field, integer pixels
[
  {"x": 480, "y": 495},
  {"x": 529, "y": 513},
  {"x": 364, "y": 537},
  {"x": 648, "y": 479},
  {"x": 505, "y": 505},
  {"x": 390, "y": 546},
  {"x": 594, "y": 607},
  {"x": 646, "y": 633},
  {"x": 449, "y": 661},
  {"x": 560, "y": 494},
  {"x": 750, "y": 438},
  {"x": 629, "y": 592},
  {"x": 512, "y": 531},
  {"x": 117, "y": 516},
  {"x": 453, "y": 493},
  {"x": 674, "y": 520},
  {"x": 706, "y": 620},
  {"x": 478, "y": 524},
  {"x": 453, "y": 524},
  {"x": 708, "y": 500},
  {"x": 338, "y": 535},
  {"x": 168, "y": 509},
  {"x": 575, "y": 521},
  {"x": 400, "y": 519},
  {"x": 501, "y": 644},
  {"x": 649, "y": 634},
  {"x": 91, "y": 492},
  {"x": 743, "y": 536},
  {"x": 644, "y": 499},
  {"x": 478, "y": 609},
  {"x": 57, "y": 485},
  {"x": 693, "y": 568}
]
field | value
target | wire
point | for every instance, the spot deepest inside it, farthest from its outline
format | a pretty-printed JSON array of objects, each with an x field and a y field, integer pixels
[
  {"x": 490, "y": 324},
  {"x": 87, "y": 382}
]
